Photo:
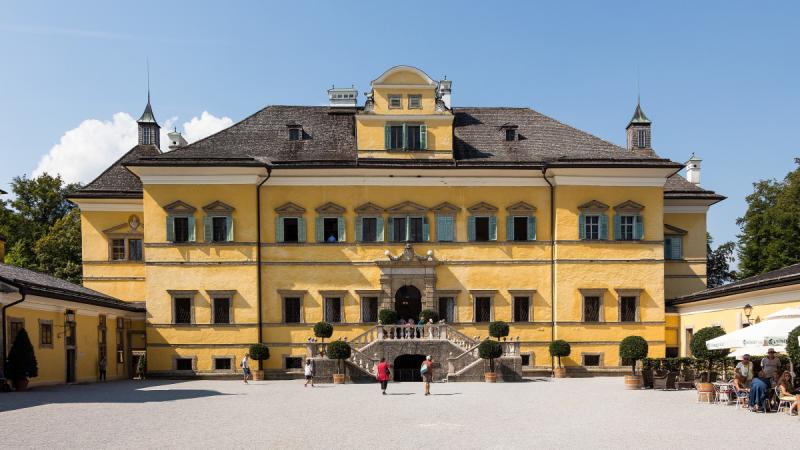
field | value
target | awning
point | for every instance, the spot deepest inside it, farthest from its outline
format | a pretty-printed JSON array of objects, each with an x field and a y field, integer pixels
[{"x": 772, "y": 332}]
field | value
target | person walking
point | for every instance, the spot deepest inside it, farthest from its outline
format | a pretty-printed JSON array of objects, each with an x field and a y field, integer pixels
[
  {"x": 309, "y": 371},
  {"x": 101, "y": 365},
  {"x": 245, "y": 367},
  {"x": 427, "y": 373},
  {"x": 383, "y": 374}
]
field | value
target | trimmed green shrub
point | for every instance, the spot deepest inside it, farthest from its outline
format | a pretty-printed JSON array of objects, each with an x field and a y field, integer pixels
[
  {"x": 323, "y": 330},
  {"x": 259, "y": 352},
  {"x": 698, "y": 345},
  {"x": 339, "y": 350},
  {"x": 489, "y": 349},
  {"x": 633, "y": 348},
  {"x": 686, "y": 362},
  {"x": 793, "y": 349},
  {"x": 559, "y": 348},
  {"x": 651, "y": 363},
  {"x": 498, "y": 329},
  {"x": 21, "y": 363},
  {"x": 428, "y": 314},
  {"x": 388, "y": 316},
  {"x": 141, "y": 366}
]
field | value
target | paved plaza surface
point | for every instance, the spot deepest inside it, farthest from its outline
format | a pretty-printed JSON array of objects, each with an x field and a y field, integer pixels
[{"x": 540, "y": 413}]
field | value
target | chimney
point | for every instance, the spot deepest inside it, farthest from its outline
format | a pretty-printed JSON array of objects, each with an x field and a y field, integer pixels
[
  {"x": 693, "y": 170},
  {"x": 342, "y": 97},
  {"x": 445, "y": 91},
  {"x": 176, "y": 139}
]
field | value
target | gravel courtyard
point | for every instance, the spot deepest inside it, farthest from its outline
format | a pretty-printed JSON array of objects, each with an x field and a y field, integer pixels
[{"x": 541, "y": 413}]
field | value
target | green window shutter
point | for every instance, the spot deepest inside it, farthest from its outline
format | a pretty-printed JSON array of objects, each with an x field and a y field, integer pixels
[
  {"x": 405, "y": 138},
  {"x": 471, "y": 228},
  {"x": 492, "y": 228},
  {"x": 279, "y": 229},
  {"x": 301, "y": 229},
  {"x": 318, "y": 230},
  {"x": 423, "y": 137},
  {"x": 509, "y": 228},
  {"x": 391, "y": 229},
  {"x": 379, "y": 226},
  {"x": 340, "y": 228},
  {"x": 192, "y": 235},
  {"x": 387, "y": 132},
  {"x": 170, "y": 229},
  {"x": 676, "y": 251},
  {"x": 581, "y": 227},
  {"x": 359, "y": 230},
  {"x": 531, "y": 228},
  {"x": 426, "y": 229},
  {"x": 603, "y": 226},
  {"x": 208, "y": 229},
  {"x": 639, "y": 228},
  {"x": 617, "y": 227},
  {"x": 444, "y": 228},
  {"x": 229, "y": 226}
]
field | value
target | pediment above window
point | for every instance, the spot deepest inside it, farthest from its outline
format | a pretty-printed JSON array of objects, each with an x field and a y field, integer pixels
[
  {"x": 290, "y": 209},
  {"x": 407, "y": 208},
  {"x": 369, "y": 208},
  {"x": 482, "y": 207},
  {"x": 446, "y": 208},
  {"x": 593, "y": 206},
  {"x": 521, "y": 207},
  {"x": 133, "y": 226},
  {"x": 669, "y": 229},
  {"x": 179, "y": 207},
  {"x": 629, "y": 206},
  {"x": 218, "y": 207},
  {"x": 331, "y": 208}
]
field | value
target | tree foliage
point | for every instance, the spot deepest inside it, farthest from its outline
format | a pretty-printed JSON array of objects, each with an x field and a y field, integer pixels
[
  {"x": 388, "y": 316},
  {"x": 698, "y": 344},
  {"x": 559, "y": 348},
  {"x": 633, "y": 348},
  {"x": 428, "y": 314},
  {"x": 770, "y": 229},
  {"x": 323, "y": 330},
  {"x": 21, "y": 363},
  {"x": 793, "y": 349},
  {"x": 339, "y": 350},
  {"x": 490, "y": 350},
  {"x": 259, "y": 351},
  {"x": 718, "y": 263},
  {"x": 498, "y": 329}
]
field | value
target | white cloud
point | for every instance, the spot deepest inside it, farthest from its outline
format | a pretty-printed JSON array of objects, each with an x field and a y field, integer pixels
[{"x": 84, "y": 152}]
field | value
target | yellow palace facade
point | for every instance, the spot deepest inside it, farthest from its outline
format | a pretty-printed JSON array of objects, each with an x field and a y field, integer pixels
[{"x": 302, "y": 214}]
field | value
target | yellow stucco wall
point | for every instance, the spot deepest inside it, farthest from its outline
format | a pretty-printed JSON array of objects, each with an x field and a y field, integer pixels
[{"x": 688, "y": 275}]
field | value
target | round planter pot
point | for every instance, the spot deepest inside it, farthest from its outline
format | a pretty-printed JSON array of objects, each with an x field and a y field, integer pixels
[
  {"x": 21, "y": 385},
  {"x": 560, "y": 372},
  {"x": 490, "y": 377},
  {"x": 705, "y": 392},
  {"x": 338, "y": 378},
  {"x": 258, "y": 375},
  {"x": 633, "y": 382}
]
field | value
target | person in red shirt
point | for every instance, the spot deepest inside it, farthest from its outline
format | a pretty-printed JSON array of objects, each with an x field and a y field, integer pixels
[{"x": 383, "y": 374}]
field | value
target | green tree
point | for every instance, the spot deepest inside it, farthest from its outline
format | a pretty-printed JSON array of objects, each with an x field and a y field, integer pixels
[
  {"x": 21, "y": 363},
  {"x": 718, "y": 263},
  {"x": 59, "y": 251}
]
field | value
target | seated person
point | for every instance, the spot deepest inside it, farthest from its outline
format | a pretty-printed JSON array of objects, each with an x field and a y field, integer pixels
[
  {"x": 744, "y": 369},
  {"x": 788, "y": 393},
  {"x": 759, "y": 388},
  {"x": 740, "y": 387}
]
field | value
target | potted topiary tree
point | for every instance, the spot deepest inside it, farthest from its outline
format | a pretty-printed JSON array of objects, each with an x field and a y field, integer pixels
[
  {"x": 559, "y": 348},
  {"x": 705, "y": 388},
  {"x": 339, "y": 350},
  {"x": 633, "y": 348},
  {"x": 259, "y": 352},
  {"x": 498, "y": 329},
  {"x": 490, "y": 350},
  {"x": 388, "y": 316},
  {"x": 428, "y": 314},
  {"x": 323, "y": 330},
  {"x": 21, "y": 363}
]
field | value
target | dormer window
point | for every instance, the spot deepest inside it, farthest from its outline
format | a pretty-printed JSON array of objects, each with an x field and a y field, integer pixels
[
  {"x": 414, "y": 102},
  {"x": 510, "y": 131},
  {"x": 395, "y": 102},
  {"x": 295, "y": 133}
]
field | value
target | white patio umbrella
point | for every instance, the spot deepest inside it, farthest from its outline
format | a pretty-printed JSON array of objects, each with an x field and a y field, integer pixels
[{"x": 757, "y": 339}]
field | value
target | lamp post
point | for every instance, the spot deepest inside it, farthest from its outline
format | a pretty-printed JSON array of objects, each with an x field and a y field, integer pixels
[{"x": 747, "y": 311}]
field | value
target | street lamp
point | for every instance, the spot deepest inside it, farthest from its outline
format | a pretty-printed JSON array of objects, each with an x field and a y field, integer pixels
[{"x": 747, "y": 311}]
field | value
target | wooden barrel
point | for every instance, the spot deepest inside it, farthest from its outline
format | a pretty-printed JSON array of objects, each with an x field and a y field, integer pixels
[
  {"x": 490, "y": 377},
  {"x": 338, "y": 378},
  {"x": 633, "y": 382},
  {"x": 560, "y": 372}
]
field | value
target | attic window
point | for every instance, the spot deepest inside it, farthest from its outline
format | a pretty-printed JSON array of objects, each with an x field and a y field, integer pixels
[
  {"x": 511, "y": 134},
  {"x": 295, "y": 132},
  {"x": 395, "y": 102}
]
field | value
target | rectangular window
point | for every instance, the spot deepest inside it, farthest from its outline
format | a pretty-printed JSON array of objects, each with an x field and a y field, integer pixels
[
  {"x": 14, "y": 325},
  {"x": 627, "y": 309},
  {"x": 369, "y": 309},
  {"x": 522, "y": 309},
  {"x": 333, "y": 310},
  {"x": 222, "y": 364},
  {"x": 293, "y": 362},
  {"x": 219, "y": 229},
  {"x": 414, "y": 101},
  {"x": 46, "y": 334},
  {"x": 415, "y": 227},
  {"x": 395, "y": 102},
  {"x": 291, "y": 229},
  {"x": 591, "y": 360},
  {"x": 511, "y": 134},
  {"x": 399, "y": 229},
  {"x": 413, "y": 141},
  {"x": 627, "y": 227},
  {"x": 483, "y": 309},
  {"x": 447, "y": 309},
  {"x": 135, "y": 250},
  {"x": 642, "y": 143},
  {"x": 592, "y": 227},
  {"x": 295, "y": 134},
  {"x": 181, "y": 227},
  {"x": 369, "y": 229},
  {"x": 672, "y": 352},
  {"x": 291, "y": 310},
  {"x": 330, "y": 229},
  {"x": 118, "y": 249},
  {"x": 591, "y": 308},
  {"x": 482, "y": 229},
  {"x": 520, "y": 228},
  {"x": 183, "y": 364},
  {"x": 673, "y": 247},
  {"x": 183, "y": 310},
  {"x": 526, "y": 359},
  {"x": 445, "y": 228},
  {"x": 222, "y": 310},
  {"x": 396, "y": 137}
]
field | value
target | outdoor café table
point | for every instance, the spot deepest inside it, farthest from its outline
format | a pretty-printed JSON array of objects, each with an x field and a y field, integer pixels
[{"x": 724, "y": 392}]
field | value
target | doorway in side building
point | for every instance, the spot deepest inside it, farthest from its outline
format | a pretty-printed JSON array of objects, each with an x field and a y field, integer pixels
[{"x": 406, "y": 367}]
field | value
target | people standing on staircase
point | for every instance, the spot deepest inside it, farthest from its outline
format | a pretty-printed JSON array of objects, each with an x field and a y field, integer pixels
[
  {"x": 427, "y": 373},
  {"x": 383, "y": 374}
]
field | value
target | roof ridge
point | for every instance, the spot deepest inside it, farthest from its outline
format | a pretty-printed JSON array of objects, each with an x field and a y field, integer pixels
[
  {"x": 236, "y": 124},
  {"x": 114, "y": 164}
]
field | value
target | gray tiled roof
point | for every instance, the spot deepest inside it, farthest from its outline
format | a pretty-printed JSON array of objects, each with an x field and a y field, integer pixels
[
  {"x": 117, "y": 181},
  {"x": 37, "y": 283},
  {"x": 678, "y": 187},
  {"x": 780, "y": 277}
]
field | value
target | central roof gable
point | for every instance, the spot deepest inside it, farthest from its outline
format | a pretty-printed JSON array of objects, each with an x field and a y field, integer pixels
[{"x": 404, "y": 75}]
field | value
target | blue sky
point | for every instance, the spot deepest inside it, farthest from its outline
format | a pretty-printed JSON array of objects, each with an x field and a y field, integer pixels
[{"x": 717, "y": 78}]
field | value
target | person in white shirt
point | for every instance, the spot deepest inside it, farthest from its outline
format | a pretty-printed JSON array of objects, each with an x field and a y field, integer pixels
[
  {"x": 245, "y": 367},
  {"x": 744, "y": 370},
  {"x": 309, "y": 371}
]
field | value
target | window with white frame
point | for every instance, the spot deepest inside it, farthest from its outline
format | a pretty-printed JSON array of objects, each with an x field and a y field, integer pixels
[
  {"x": 673, "y": 247},
  {"x": 395, "y": 101},
  {"x": 333, "y": 309},
  {"x": 414, "y": 101}
]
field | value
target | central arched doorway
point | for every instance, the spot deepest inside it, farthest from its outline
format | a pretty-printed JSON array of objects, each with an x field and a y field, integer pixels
[
  {"x": 408, "y": 303},
  {"x": 406, "y": 367}
]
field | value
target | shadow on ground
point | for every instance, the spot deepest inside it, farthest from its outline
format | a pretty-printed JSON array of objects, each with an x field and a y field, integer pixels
[{"x": 111, "y": 392}]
